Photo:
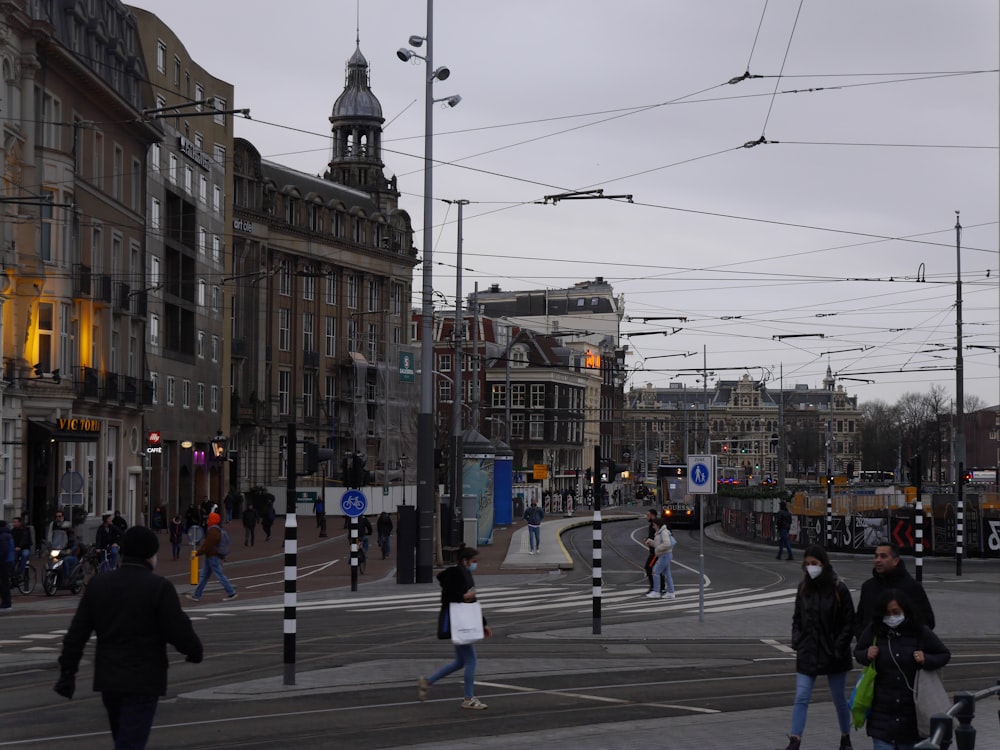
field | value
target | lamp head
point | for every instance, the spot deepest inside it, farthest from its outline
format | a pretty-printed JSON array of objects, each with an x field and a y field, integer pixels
[
  {"x": 453, "y": 101},
  {"x": 415, "y": 40},
  {"x": 442, "y": 73},
  {"x": 404, "y": 54}
]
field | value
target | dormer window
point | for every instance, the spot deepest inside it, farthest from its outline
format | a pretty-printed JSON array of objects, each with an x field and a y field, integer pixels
[{"x": 518, "y": 357}]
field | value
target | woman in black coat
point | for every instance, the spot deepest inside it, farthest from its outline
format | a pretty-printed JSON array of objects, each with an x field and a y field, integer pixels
[
  {"x": 821, "y": 636},
  {"x": 900, "y": 644},
  {"x": 457, "y": 586}
]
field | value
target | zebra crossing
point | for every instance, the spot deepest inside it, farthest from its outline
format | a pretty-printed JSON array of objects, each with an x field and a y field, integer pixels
[{"x": 540, "y": 599}]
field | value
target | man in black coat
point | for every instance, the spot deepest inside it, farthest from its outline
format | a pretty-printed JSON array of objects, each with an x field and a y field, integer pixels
[
  {"x": 890, "y": 573},
  {"x": 135, "y": 614}
]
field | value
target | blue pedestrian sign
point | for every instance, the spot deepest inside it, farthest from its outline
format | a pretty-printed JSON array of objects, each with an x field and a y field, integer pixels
[
  {"x": 354, "y": 503},
  {"x": 701, "y": 475}
]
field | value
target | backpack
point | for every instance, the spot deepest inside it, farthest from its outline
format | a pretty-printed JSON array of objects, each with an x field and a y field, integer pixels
[{"x": 225, "y": 544}]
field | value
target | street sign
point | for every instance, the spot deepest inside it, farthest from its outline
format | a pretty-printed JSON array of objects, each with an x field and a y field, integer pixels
[
  {"x": 406, "y": 371},
  {"x": 540, "y": 471},
  {"x": 701, "y": 475},
  {"x": 354, "y": 503}
]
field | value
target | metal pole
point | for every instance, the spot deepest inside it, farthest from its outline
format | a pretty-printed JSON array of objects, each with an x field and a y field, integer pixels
[
  {"x": 291, "y": 554},
  {"x": 829, "y": 470},
  {"x": 959, "y": 403},
  {"x": 701, "y": 499},
  {"x": 354, "y": 553},
  {"x": 597, "y": 575},
  {"x": 425, "y": 420},
  {"x": 457, "y": 384},
  {"x": 782, "y": 461},
  {"x": 918, "y": 520}
]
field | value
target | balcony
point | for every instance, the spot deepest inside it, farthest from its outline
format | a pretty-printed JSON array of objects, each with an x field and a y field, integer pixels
[
  {"x": 130, "y": 393},
  {"x": 81, "y": 280},
  {"x": 103, "y": 292},
  {"x": 110, "y": 392},
  {"x": 88, "y": 385},
  {"x": 310, "y": 359},
  {"x": 124, "y": 297}
]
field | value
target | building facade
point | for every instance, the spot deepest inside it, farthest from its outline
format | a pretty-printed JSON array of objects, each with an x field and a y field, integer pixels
[
  {"x": 188, "y": 250},
  {"x": 73, "y": 248},
  {"x": 320, "y": 284}
]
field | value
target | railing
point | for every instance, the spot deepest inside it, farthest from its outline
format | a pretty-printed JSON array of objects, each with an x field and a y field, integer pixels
[{"x": 964, "y": 710}]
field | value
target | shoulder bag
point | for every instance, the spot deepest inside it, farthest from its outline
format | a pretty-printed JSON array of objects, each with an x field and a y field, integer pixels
[
  {"x": 863, "y": 695},
  {"x": 930, "y": 698}
]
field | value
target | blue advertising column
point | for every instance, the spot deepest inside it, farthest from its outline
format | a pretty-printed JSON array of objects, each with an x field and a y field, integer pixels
[
  {"x": 503, "y": 485},
  {"x": 477, "y": 489}
]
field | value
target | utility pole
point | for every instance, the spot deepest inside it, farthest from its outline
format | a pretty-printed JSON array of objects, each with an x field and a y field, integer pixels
[
  {"x": 457, "y": 385},
  {"x": 959, "y": 403}
]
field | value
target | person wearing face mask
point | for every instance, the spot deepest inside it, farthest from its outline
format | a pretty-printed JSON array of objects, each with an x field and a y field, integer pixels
[
  {"x": 822, "y": 627},
  {"x": 890, "y": 573},
  {"x": 457, "y": 586},
  {"x": 899, "y": 642},
  {"x": 136, "y": 615}
]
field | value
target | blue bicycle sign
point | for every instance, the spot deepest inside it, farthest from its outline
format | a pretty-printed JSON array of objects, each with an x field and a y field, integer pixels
[{"x": 354, "y": 503}]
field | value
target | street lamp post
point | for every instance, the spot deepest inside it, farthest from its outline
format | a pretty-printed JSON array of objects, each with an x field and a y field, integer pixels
[{"x": 425, "y": 419}]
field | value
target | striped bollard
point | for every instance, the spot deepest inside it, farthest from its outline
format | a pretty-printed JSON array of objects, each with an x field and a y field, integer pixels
[
  {"x": 291, "y": 560},
  {"x": 354, "y": 553},
  {"x": 597, "y": 568}
]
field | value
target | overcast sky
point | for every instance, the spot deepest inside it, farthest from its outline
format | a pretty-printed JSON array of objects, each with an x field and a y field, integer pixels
[{"x": 881, "y": 120}]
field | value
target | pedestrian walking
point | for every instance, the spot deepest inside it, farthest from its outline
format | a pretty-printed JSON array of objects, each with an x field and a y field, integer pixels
[
  {"x": 457, "y": 585},
  {"x": 900, "y": 644},
  {"x": 267, "y": 519},
  {"x": 534, "y": 515},
  {"x": 214, "y": 549},
  {"x": 662, "y": 545},
  {"x": 319, "y": 508},
  {"x": 249, "y": 525},
  {"x": 176, "y": 529},
  {"x": 135, "y": 614},
  {"x": 784, "y": 523},
  {"x": 120, "y": 523},
  {"x": 821, "y": 636},
  {"x": 7, "y": 558},
  {"x": 651, "y": 529},
  {"x": 383, "y": 526},
  {"x": 890, "y": 573},
  {"x": 364, "y": 532}
]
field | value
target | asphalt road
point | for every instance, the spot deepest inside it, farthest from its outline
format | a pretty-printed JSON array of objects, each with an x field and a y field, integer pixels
[{"x": 663, "y": 669}]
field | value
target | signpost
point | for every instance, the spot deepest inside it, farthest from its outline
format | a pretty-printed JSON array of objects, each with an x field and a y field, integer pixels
[{"x": 354, "y": 504}]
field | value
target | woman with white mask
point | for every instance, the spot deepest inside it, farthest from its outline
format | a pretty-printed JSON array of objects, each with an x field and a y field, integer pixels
[{"x": 821, "y": 636}]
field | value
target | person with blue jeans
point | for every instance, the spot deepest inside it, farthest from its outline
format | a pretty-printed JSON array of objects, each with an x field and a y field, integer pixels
[
  {"x": 534, "y": 515},
  {"x": 213, "y": 560},
  {"x": 457, "y": 586},
  {"x": 784, "y": 524},
  {"x": 663, "y": 547},
  {"x": 822, "y": 628}
]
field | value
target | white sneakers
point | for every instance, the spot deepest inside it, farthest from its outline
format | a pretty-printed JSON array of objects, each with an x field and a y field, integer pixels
[
  {"x": 652, "y": 595},
  {"x": 533, "y": 551},
  {"x": 668, "y": 595},
  {"x": 656, "y": 595}
]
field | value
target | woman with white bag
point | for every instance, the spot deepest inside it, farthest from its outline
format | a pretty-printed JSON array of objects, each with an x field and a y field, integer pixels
[
  {"x": 459, "y": 620},
  {"x": 662, "y": 545}
]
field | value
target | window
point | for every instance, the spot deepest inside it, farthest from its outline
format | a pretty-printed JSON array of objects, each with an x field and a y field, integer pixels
[
  {"x": 284, "y": 329},
  {"x": 177, "y": 71},
  {"x": 308, "y": 400},
  {"x": 396, "y": 299},
  {"x": 171, "y": 390},
  {"x": 518, "y": 357},
  {"x": 216, "y": 248},
  {"x": 186, "y": 393},
  {"x": 517, "y": 426},
  {"x": 200, "y": 349},
  {"x": 517, "y": 395},
  {"x": 188, "y": 180},
  {"x": 65, "y": 361},
  {"x": 220, "y": 106},
  {"x": 331, "y": 336},
  {"x": 172, "y": 168},
  {"x": 373, "y": 342},
  {"x": 49, "y": 230},
  {"x": 202, "y": 240},
  {"x": 214, "y": 403},
  {"x": 201, "y": 292},
  {"x": 161, "y": 56},
  {"x": 499, "y": 395},
  {"x": 331, "y": 289},
  {"x": 353, "y": 288},
  {"x": 537, "y": 396},
  {"x": 444, "y": 390},
  {"x": 154, "y": 387},
  {"x": 444, "y": 363},
  {"x": 154, "y": 270},
  {"x": 199, "y": 96},
  {"x": 135, "y": 195},
  {"x": 219, "y": 154},
  {"x": 201, "y": 397},
  {"x": 284, "y": 387},
  {"x": 285, "y": 280},
  {"x": 216, "y": 299},
  {"x": 98, "y": 157},
  {"x": 51, "y": 121},
  {"x": 536, "y": 427},
  {"x": 203, "y": 189},
  {"x": 154, "y": 158},
  {"x": 308, "y": 283},
  {"x": 216, "y": 198},
  {"x": 215, "y": 348},
  {"x": 282, "y": 456},
  {"x": 45, "y": 333},
  {"x": 117, "y": 172},
  {"x": 352, "y": 335},
  {"x": 199, "y": 140},
  {"x": 154, "y": 329},
  {"x": 373, "y": 296},
  {"x": 307, "y": 333}
]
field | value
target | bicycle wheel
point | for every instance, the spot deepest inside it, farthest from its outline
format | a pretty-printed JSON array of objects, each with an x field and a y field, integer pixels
[
  {"x": 28, "y": 577},
  {"x": 76, "y": 581},
  {"x": 50, "y": 581},
  {"x": 90, "y": 569}
]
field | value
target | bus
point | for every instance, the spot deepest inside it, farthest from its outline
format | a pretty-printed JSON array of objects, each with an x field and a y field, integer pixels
[{"x": 679, "y": 508}]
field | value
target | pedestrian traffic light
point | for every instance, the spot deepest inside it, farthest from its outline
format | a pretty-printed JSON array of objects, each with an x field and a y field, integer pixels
[{"x": 314, "y": 457}]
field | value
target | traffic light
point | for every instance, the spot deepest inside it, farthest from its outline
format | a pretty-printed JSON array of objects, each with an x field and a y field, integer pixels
[
  {"x": 725, "y": 447},
  {"x": 314, "y": 457},
  {"x": 966, "y": 477},
  {"x": 611, "y": 470},
  {"x": 359, "y": 474},
  {"x": 589, "y": 475}
]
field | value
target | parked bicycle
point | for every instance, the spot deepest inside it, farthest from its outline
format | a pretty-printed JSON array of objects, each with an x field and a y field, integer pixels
[
  {"x": 95, "y": 562},
  {"x": 23, "y": 580}
]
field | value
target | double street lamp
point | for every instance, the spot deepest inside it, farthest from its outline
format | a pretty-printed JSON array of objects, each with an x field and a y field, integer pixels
[{"x": 425, "y": 420}]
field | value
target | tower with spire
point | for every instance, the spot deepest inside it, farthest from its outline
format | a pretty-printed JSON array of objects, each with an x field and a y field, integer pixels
[{"x": 356, "y": 126}]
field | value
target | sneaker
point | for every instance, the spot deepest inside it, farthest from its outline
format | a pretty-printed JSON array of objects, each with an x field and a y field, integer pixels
[
  {"x": 668, "y": 595},
  {"x": 229, "y": 597},
  {"x": 473, "y": 703},
  {"x": 192, "y": 597},
  {"x": 422, "y": 687},
  {"x": 653, "y": 595}
]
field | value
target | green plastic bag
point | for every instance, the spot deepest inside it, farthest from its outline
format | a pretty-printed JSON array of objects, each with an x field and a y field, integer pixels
[{"x": 863, "y": 695}]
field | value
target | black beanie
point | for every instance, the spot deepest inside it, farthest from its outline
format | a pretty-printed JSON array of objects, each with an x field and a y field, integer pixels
[{"x": 139, "y": 543}]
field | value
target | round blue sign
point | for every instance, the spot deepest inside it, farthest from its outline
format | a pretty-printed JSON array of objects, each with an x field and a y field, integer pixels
[
  {"x": 354, "y": 503},
  {"x": 700, "y": 474}
]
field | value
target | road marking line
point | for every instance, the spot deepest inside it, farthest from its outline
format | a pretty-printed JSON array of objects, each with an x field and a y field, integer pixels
[
  {"x": 600, "y": 698},
  {"x": 695, "y": 709},
  {"x": 779, "y": 646}
]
